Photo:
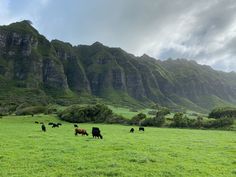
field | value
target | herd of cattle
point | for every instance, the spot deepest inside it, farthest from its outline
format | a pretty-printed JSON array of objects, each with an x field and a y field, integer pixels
[{"x": 95, "y": 130}]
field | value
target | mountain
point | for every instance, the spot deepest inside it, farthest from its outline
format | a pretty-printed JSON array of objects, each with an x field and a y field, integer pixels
[{"x": 35, "y": 70}]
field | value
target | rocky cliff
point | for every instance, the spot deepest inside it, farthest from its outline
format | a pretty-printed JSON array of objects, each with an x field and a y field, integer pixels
[
  {"x": 29, "y": 57},
  {"x": 29, "y": 61}
]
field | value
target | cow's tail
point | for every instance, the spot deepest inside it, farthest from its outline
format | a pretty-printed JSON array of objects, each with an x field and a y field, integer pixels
[{"x": 100, "y": 136}]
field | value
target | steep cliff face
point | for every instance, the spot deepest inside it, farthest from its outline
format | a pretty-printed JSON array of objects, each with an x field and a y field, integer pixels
[
  {"x": 28, "y": 60},
  {"x": 104, "y": 74},
  {"x": 74, "y": 71},
  {"x": 27, "y": 57}
]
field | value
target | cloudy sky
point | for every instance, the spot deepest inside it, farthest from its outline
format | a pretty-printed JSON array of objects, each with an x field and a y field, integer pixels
[{"x": 201, "y": 30}]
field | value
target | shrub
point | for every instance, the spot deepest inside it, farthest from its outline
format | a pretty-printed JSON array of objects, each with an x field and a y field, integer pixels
[
  {"x": 22, "y": 106},
  {"x": 50, "y": 111},
  {"x": 219, "y": 123},
  {"x": 199, "y": 122},
  {"x": 31, "y": 110},
  {"x": 163, "y": 111},
  {"x": 156, "y": 121},
  {"x": 116, "y": 119},
  {"x": 8, "y": 108},
  {"x": 179, "y": 120},
  {"x": 147, "y": 122},
  {"x": 222, "y": 112},
  {"x": 3, "y": 111},
  {"x": 159, "y": 120},
  {"x": 136, "y": 120},
  {"x": 97, "y": 113}
]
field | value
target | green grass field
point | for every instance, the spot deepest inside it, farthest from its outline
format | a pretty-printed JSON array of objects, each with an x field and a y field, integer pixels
[{"x": 25, "y": 151}]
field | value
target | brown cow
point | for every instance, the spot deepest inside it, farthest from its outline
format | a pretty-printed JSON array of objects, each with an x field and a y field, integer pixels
[{"x": 81, "y": 131}]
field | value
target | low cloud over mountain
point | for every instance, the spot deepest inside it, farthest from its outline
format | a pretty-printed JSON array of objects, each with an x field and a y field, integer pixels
[{"x": 200, "y": 30}]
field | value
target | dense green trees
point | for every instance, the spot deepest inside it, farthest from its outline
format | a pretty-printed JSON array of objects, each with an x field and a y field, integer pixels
[
  {"x": 219, "y": 123},
  {"x": 223, "y": 112},
  {"x": 98, "y": 113},
  {"x": 158, "y": 120},
  {"x": 31, "y": 110},
  {"x": 136, "y": 120},
  {"x": 179, "y": 120}
]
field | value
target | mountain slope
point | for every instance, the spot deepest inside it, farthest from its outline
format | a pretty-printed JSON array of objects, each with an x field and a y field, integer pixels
[{"x": 29, "y": 63}]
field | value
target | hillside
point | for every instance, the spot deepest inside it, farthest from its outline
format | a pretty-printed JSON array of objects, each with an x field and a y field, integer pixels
[{"x": 35, "y": 70}]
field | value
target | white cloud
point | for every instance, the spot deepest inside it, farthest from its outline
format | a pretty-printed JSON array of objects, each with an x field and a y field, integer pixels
[
  {"x": 201, "y": 30},
  {"x": 5, "y": 16}
]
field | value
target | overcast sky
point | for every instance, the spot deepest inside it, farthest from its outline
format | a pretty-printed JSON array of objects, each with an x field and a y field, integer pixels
[{"x": 201, "y": 30}]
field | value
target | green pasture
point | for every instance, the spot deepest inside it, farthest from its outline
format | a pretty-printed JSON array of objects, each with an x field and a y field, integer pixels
[{"x": 26, "y": 151}]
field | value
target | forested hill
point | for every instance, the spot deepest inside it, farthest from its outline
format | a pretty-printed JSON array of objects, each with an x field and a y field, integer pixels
[{"x": 33, "y": 69}]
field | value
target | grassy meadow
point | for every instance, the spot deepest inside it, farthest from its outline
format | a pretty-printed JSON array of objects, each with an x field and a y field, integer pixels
[{"x": 26, "y": 151}]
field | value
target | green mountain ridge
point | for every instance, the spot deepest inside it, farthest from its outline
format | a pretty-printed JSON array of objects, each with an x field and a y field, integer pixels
[{"x": 34, "y": 69}]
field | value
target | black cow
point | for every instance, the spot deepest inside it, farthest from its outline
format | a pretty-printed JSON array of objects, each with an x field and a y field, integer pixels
[
  {"x": 131, "y": 130},
  {"x": 55, "y": 125},
  {"x": 141, "y": 129},
  {"x": 36, "y": 122},
  {"x": 50, "y": 123},
  {"x": 75, "y": 125},
  {"x": 43, "y": 128},
  {"x": 59, "y": 124},
  {"x": 96, "y": 133}
]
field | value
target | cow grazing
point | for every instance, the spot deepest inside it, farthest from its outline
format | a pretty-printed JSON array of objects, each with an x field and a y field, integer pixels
[
  {"x": 141, "y": 129},
  {"x": 43, "y": 128},
  {"x": 80, "y": 131},
  {"x": 75, "y": 125},
  {"x": 59, "y": 124},
  {"x": 36, "y": 122},
  {"x": 55, "y": 125},
  {"x": 96, "y": 133},
  {"x": 131, "y": 130},
  {"x": 50, "y": 123}
]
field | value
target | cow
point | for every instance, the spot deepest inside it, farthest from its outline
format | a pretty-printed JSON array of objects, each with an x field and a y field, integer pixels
[
  {"x": 96, "y": 133},
  {"x": 36, "y": 122},
  {"x": 59, "y": 124},
  {"x": 131, "y": 130},
  {"x": 50, "y": 123},
  {"x": 81, "y": 131},
  {"x": 141, "y": 129},
  {"x": 55, "y": 125},
  {"x": 75, "y": 125},
  {"x": 43, "y": 128}
]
